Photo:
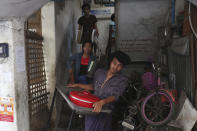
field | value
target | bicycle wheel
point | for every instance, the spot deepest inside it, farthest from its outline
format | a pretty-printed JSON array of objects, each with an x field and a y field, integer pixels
[{"x": 156, "y": 112}]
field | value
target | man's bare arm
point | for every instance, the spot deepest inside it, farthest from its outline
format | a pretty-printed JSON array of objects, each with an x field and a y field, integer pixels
[
  {"x": 82, "y": 86},
  {"x": 97, "y": 32},
  {"x": 71, "y": 76}
]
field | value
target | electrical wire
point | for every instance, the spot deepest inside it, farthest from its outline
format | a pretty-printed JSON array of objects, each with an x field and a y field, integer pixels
[{"x": 190, "y": 21}]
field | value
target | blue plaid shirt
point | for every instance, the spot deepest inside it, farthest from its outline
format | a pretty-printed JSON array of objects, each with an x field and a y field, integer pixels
[{"x": 76, "y": 60}]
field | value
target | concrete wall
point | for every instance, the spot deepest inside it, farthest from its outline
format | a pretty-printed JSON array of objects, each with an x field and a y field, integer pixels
[
  {"x": 7, "y": 69},
  {"x": 67, "y": 13},
  {"x": 59, "y": 39},
  {"x": 49, "y": 45},
  {"x": 20, "y": 77},
  {"x": 137, "y": 24},
  {"x": 59, "y": 43},
  {"x": 13, "y": 78},
  {"x": 19, "y": 8}
]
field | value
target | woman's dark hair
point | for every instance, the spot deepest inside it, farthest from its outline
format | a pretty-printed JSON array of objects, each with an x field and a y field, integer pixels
[
  {"x": 113, "y": 17},
  {"x": 85, "y": 5}
]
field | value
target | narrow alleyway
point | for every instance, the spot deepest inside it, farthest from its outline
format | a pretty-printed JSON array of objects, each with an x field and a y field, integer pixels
[{"x": 50, "y": 48}]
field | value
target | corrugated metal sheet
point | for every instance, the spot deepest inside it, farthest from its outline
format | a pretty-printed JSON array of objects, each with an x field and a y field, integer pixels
[{"x": 181, "y": 67}]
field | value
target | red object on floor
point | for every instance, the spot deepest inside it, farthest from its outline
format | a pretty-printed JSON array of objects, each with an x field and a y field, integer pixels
[
  {"x": 83, "y": 98},
  {"x": 172, "y": 93}
]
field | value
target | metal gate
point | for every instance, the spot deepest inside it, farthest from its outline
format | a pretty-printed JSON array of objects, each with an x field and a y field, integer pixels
[
  {"x": 180, "y": 66},
  {"x": 36, "y": 75}
]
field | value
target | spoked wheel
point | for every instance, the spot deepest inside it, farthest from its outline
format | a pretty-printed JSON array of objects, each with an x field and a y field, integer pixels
[{"x": 157, "y": 108}]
